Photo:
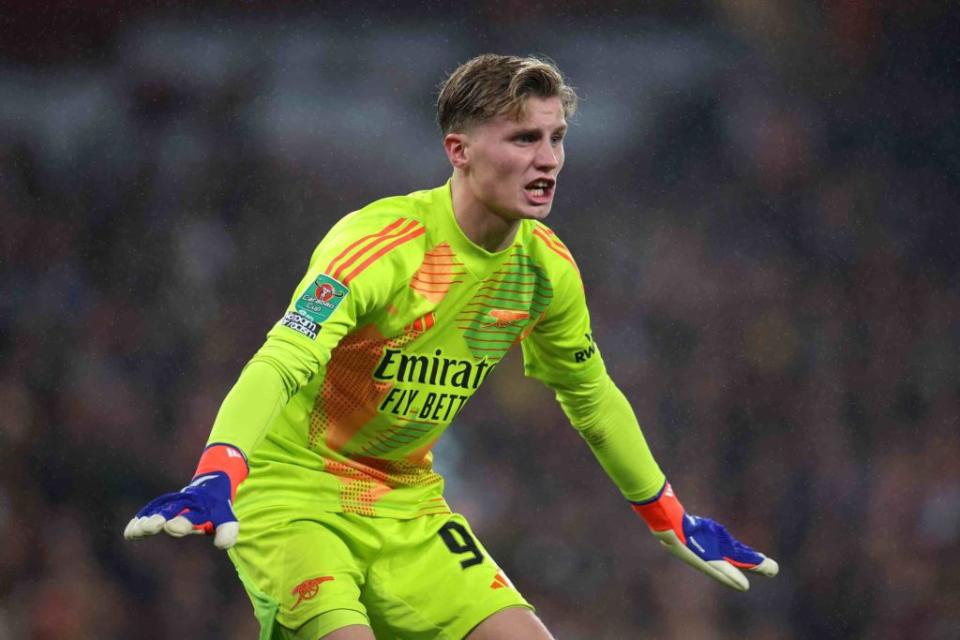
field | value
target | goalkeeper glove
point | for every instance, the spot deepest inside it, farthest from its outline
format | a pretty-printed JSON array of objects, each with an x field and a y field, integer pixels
[
  {"x": 701, "y": 542},
  {"x": 202, "y": 507}
]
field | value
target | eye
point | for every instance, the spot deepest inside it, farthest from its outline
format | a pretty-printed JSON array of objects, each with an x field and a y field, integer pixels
[
  {"x": 556, "y": 138},
  {"x": 526, "y": 138}
]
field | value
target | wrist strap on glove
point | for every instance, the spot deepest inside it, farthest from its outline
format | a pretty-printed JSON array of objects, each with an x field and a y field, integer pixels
[
  {"x": 226, "y": 458},
  {"x": 663, "y": 512}
]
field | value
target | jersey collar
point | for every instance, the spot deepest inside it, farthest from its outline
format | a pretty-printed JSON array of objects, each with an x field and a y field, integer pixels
[{"x": 477, "y": 259}]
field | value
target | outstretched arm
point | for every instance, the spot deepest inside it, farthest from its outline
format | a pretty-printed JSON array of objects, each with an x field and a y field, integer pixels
[
  {"x": 561, "y": 352},
  {"x": 337, "y": 291},
  {"x": 205, "y": 506},
  {"x": 605, "y": 419}
]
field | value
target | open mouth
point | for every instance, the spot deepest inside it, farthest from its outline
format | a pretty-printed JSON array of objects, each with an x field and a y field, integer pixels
[{"x": 541, "y": 188}]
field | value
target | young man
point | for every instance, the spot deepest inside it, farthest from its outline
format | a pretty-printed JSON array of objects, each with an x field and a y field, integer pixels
[{"x": 323, "y": 445}]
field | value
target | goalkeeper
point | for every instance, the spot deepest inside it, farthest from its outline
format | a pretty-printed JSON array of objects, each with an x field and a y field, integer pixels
[{"x": 318, "y": 475}]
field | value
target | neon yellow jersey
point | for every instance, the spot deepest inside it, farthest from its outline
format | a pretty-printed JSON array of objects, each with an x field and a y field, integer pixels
[{"x": 405, "y": 318}]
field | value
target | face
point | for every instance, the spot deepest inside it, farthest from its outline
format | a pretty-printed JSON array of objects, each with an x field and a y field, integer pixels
[{"x": 510, "y": 166}]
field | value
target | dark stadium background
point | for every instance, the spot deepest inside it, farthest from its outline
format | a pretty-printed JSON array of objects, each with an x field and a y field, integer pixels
[{"x": 763, "y": 199}]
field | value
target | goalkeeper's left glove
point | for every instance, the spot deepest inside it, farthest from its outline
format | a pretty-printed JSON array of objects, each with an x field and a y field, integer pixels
[
  {"x": 204, "y": 506},
  {"x": 701, "y": 542}
]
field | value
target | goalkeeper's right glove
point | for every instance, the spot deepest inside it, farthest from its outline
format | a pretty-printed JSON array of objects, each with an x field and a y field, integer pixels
[
  {"x": 701, "y": 542},
  {"x": 202, "y": 507}
]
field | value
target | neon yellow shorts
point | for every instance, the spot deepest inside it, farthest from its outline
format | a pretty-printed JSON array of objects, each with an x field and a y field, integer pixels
[{"x": 426, "y": 577}]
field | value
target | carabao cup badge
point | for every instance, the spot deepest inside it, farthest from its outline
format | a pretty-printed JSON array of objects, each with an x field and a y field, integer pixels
[{"x": 321, "y": 298}]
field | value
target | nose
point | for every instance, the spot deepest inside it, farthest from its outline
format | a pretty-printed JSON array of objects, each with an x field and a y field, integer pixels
[{"x": 548, "y": 156}]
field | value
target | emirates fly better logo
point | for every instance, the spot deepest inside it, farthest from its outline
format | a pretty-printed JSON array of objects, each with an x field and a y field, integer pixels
[{"x": 308, "y": 589}]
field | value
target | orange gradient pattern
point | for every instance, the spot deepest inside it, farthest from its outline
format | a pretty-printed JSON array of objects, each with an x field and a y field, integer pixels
[
  {"x": 350, "y": 395},
  {"x": 439, "y": 270},
  {"x": 348, "y": 401}
]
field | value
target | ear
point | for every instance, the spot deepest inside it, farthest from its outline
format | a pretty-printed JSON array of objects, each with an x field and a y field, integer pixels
[{"x": 457, "y": 146}]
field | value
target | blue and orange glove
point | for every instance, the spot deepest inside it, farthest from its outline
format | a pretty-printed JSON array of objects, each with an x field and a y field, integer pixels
[
  {"x": 205, "y": 506},
  {"x": 701, "y": 542}
]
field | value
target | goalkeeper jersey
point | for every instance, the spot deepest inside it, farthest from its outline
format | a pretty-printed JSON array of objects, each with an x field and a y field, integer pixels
[{"x": 397, "y": 322}]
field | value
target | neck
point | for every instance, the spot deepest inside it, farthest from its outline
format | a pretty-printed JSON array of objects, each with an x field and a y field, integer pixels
[{"x": 485, "y": 228}]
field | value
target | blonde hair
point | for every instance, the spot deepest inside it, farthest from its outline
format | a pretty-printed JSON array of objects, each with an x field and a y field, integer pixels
[{"x": 491, "y": 85}]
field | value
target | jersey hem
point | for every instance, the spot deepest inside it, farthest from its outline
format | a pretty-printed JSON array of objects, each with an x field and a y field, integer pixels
[{"x": 250, "y": 509}]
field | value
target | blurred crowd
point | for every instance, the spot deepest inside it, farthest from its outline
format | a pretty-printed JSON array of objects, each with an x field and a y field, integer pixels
[{"x": 762, "y": 201}]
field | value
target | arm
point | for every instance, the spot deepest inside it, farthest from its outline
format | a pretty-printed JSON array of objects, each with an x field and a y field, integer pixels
[
  {"x": 604, "y": 418},
  {"x": 342, "y": 286},
  {"x": 273, "y": 376},
  {"x": 561, "y": 352},
  {"x": 204, "y": 506},
  {"x": 600, "y": 412}
]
